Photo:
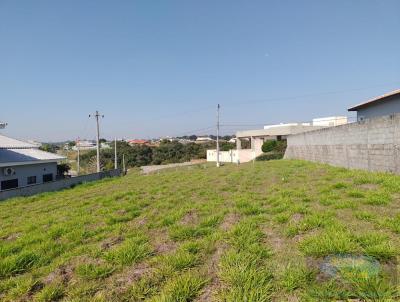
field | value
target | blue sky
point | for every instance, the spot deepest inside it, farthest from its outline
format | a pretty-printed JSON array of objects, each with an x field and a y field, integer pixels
[{"x": 156, "y": 68}]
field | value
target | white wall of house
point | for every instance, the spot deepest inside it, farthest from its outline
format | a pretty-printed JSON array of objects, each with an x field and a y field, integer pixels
[
  {"x": 22, "y": 172},
  {"x": 232, "y": 156}
]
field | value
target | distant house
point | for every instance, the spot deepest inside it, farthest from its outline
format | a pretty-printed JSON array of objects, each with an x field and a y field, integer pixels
[
  {"x": 386, "y": 104},
  {"x": 256, "y": 138},
  {"x": 85, "y": 145},
  {"x": 138, "y": 142},
  {"x": 204, "y": 139},
  {"x": 23, "y": 164}
]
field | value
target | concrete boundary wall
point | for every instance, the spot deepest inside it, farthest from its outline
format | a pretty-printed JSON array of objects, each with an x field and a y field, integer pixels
[
  {"x": 57, "y": 185},
  {"x": 372, "y": 144}
]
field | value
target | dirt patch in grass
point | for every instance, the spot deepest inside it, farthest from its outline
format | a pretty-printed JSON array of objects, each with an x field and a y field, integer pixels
[
  {"x": 110, "y": 242},
  {"x": 161, "y": 242},
  {"x": 141, "y": 221},
  {"x": 131, "y": 275},
  {"x": 369, "y": 187},
  {"x": 121, "y": 212},
  {"x": 190, "y": 218},
  {"x": 11, "y": 237},
  {"x": 301, "y": 236},
  {"x": 277, "y": 243},
  {"x": 63, "y": 274},
  {"x": 296, "y": 218},
  {"x": 229, "y": 221},
  {"x": 314, "y": 264}
]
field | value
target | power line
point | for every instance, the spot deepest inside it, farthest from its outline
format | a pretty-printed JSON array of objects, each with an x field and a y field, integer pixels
[
  {"x": 311, "y": 94},
  {"x": 195, "y": 131}
]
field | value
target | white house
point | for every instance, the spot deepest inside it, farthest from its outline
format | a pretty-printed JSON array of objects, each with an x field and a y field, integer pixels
[
  {"x": 85, "y": 145},
  {"x": 204, "y": 139},
  {"x": 270, "y": 132},
  {"x": 23, "y": 164}
]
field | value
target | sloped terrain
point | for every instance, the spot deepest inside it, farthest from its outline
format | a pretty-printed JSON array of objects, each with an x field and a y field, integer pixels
[{"x": 269, "y": 231}]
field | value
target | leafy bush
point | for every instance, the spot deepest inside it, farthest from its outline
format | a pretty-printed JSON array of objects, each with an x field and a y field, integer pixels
[
  {"x": 269, "y": 156},
  {"x": 272, "y": 150},
  {"x": 269, "y": 146}
]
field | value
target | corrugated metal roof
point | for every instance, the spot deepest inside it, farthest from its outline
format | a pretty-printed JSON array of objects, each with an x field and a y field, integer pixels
[
  {"x": 27, "y": 155},
  {"x": 374, "y": 100},
  {"x": 11, "y": 143}
]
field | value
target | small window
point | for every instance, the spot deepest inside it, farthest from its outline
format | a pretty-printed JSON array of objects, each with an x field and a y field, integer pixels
[
  {"x": 47, "y": 177},
  {"x": 31, "y": 180},
  {"x": 9, "y": 184}
]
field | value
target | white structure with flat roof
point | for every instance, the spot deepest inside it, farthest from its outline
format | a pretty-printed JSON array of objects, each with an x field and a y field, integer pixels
[
  {"x": 23, "y": 164},
  {"x": 270, "y": 132}
]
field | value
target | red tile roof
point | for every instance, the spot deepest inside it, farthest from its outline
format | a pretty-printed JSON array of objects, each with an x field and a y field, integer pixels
[{"x": 138, "y": 141}]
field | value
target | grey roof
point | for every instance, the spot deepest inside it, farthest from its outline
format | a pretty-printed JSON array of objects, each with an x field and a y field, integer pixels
[
  {"x": 11, "y": 143},
  {"x": 375, "y": 100},
  {"x": 9, "y": 157}
]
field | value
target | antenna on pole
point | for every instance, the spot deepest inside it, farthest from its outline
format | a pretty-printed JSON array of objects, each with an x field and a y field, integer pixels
[
  {"x": 96, "y": 116},
  {"x": 218, "y": 164}
]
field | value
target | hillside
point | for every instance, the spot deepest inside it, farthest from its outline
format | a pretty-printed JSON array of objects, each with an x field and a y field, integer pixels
[{"x": 257, "y": 232}]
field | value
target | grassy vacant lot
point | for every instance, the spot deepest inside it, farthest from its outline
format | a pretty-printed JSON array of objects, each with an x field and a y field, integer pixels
[{"x": 250, "y": 233}]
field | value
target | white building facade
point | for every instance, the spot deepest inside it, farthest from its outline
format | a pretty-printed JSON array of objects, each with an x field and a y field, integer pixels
[
  {"x": 23, "y": 164},
  {"x": 270, "y": 132}
]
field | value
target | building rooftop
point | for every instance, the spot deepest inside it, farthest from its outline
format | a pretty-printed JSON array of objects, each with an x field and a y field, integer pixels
[
  {"x": 138, "y": 141},
  {"x": 13, "y": 157},
  {"x": 375, "y": 100},
  {"x": 11, "y": 143},
  {"x": 285, "y": 129}
]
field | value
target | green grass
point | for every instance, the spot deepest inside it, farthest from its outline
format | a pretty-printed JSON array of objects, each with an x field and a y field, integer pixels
[{"x": 254, "y": 232}]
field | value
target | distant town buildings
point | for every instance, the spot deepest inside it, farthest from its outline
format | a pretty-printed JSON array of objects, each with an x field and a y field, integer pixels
[{"x": 87, "y": 145}]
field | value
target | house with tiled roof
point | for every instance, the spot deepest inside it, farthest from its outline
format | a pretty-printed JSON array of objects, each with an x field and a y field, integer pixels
[{"x": 23, "y": 164}]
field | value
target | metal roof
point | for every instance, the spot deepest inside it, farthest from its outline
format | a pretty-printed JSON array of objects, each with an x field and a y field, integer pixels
[
  {"x": 374, "y": 100},
  {"x": 11, "y": 143},
  {"x": 12, "y": 157}
]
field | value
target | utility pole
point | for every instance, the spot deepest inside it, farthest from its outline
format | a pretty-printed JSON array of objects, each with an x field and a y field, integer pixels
[
  {"x": 96, "y": 116},
  {"x": 79, "y": 157},
  {"x": 218, "y": 164},
  {"x": 123, "y": 164},
  {"x": 115, "y": 155}
]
